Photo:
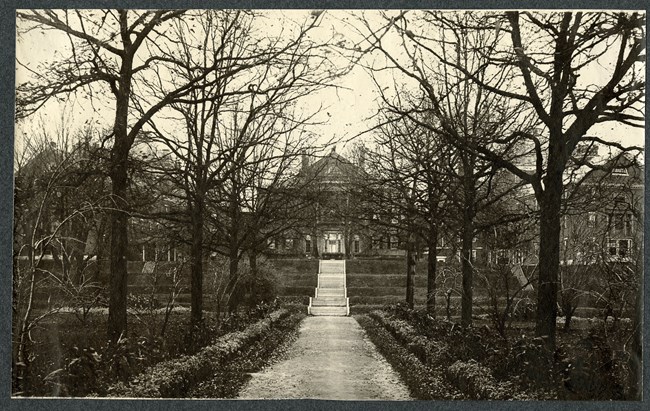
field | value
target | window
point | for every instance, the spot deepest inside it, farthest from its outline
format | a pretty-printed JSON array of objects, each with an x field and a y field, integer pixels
[
  {"x": 355, "y": 245},
  {"x": 627, "y": 221},
  {"x": 271, "y": 243},
  {"x": 288, "y": 243},
  {"x": 619, "y": 171},
  {"x": 499, "y": 257},
  {"x": 308, "y": 244},
  {"x": 621, "y": 224},
  {"x": 619, "y": 247},
  {"x": 519, "y": 257},
  {"x": 393, "y": 242},
  {"x": 592, "y": 219},
  {"x": 624, "y": 247},
  {"x": 611, "y": 246},
  {"x": 618, "y": 222}
]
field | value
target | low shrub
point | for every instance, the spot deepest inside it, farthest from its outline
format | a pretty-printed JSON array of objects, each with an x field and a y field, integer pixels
[
  {"x": 173, "y": 378},
  {"x": 428, "y": 352},
  {"x": 459, "y": 343},
  {"x": 230, "y": 377},
  {"x": 593, "y": 368},
  {"x": 526, "y": 361},
  {"x": 424, "y": 382},
  {"x": 477, "y": 381}
]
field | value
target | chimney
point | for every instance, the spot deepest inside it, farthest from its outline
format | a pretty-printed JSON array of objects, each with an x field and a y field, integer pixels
[
  {"x": 362, "y": 158},
  {"x": 305, "y": 160}
]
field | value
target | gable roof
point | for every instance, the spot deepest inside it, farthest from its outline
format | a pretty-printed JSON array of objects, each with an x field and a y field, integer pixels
[
  {"x": 623, "y": 169},
  {"x": 332, "y": 168}
]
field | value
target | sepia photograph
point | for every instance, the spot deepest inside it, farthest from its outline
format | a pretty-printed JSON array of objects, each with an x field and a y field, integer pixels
[{"x": 391, "y": 205}]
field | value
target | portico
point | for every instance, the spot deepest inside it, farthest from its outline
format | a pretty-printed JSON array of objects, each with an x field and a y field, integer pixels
[{"x": 331, "y": 242}]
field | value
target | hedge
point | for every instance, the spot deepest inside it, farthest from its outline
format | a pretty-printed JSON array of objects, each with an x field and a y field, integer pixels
[
  {"x": 424, "y": 382},
  {"x": 428, "y": 352},
  {"x": 174, "y": 378},
  {"x": 477, "y": 381}
]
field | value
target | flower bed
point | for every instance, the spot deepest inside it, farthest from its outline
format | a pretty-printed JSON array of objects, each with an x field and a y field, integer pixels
[{"x": 174, "y": 378}]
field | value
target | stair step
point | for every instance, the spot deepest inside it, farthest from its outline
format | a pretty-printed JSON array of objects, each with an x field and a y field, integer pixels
[
  {"x": 331, "y": 292},
  {"x": 331, "y": 284},
  {"x": 330, "y": 297},
  {"x": 319, "y": 302},
  {"x": 332, "y": 311}
]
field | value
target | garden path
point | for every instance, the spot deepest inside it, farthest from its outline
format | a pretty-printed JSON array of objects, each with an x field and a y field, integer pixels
[{"x": 331, "y": 359}]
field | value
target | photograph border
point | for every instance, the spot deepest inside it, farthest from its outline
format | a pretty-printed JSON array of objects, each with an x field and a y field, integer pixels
[{"x": 7, "y": 72}]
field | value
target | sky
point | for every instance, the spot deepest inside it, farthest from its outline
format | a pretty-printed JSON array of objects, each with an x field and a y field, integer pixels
[{"x": 348, "y": 107}]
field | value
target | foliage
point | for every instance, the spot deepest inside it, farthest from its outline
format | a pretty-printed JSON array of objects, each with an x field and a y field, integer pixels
[
  {"x": 68, "y": 360},
  {"x": 258, "y": 289},
  {"x": 595, "y": 368},
  {"x": 586, "y": 366},
  {"x": 508, "y": 298},
  {"x": 477, "y": 381},
  {"x": 424, "y": 382},
  {"x": 231, "y": 376},
  {"x": 78, "y": 376},
  {"x": 173, "y": 379},
  {"x": 147, "y": 308}
]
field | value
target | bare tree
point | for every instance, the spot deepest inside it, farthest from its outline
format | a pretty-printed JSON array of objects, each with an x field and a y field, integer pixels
[
  {"x": 242, "y": 125},
  {"x": 459, "y": 112},
  {"x": 538, "y": 62},
  {"x": 411, "y": 176},
  {"x": 51, "y": 228},
  {"x": 112, "y": 54}
]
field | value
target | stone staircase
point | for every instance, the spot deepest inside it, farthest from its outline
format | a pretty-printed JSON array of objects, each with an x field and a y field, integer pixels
[{"x": 331, "y": 297}]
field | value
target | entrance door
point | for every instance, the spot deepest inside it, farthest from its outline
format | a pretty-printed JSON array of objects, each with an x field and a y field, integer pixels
[
  {"x": 333, "y": 246},
  {"x": 333, "y": 243}
]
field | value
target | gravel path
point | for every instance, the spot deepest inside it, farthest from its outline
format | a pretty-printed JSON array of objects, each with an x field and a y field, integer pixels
[{"x": 331, "y": 359}]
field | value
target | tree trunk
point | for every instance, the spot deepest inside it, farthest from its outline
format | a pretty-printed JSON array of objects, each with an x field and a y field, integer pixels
[
  {"x": 314, "y": 243},
  {"x": 431, "y": 270},
  {"x": 466, "y": 260},
  {"x": 196, "y": 264},
  {"x": 118, "y": 217},
  {"x": 252, "y": 261},
  {"x": 119, "y": 245},
  {"x": 635, "y": 362},
  {"x": 567, "y": 321},
  {"x": 549, "y": 261},
  {"x": 410, "y": 273},
  {"x": 233, "y": 279}
]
